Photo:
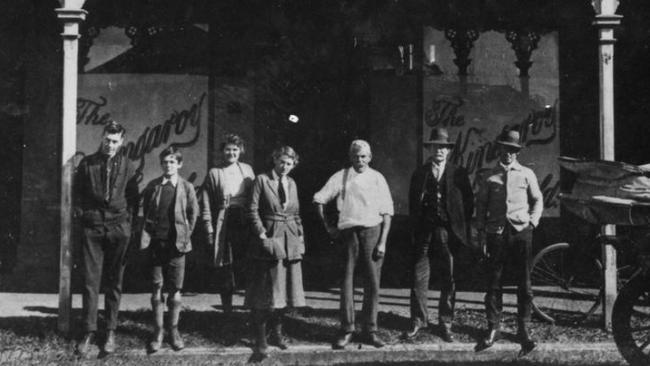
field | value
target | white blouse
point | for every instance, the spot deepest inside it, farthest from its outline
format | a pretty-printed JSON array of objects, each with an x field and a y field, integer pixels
[{"x": 233, "y": 184}]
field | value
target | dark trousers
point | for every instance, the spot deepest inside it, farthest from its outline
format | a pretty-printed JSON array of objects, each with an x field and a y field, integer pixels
[
  {"x": 433, "y": 242},
  {"x": 104, "y": 249},
  {"x": 511, "y": 246},
  {"x": 360, "y": 243}
]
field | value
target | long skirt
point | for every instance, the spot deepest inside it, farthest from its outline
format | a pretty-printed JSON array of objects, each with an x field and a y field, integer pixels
[
  {"x": 275, "y": 285},
  {"x": 231, "y": 272}
]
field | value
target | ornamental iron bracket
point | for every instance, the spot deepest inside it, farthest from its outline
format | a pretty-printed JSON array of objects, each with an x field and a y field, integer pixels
[
  {"x": 462, "y": 41},
  {"x": 523, "y": 43}
]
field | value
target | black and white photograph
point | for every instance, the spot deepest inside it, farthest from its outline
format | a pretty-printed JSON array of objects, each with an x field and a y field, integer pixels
[{"x": 325, "y": 182}]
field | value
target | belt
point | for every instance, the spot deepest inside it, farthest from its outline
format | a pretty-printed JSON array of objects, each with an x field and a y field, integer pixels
[{"x": 280, "y": 217}]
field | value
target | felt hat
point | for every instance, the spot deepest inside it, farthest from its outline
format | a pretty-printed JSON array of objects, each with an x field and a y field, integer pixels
[
  {"x": 509, "y": 138},
  {"x": 439, "y": 136}
]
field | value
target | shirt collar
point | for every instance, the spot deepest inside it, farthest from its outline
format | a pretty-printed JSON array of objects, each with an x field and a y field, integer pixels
[
  {"x": 276, "y": 176},
  {"x": 108, "y": 157},
  {"x": 173, "y": 180},
  {"x": 513, "y": 166},
  {"x": 440, "y": 166}
]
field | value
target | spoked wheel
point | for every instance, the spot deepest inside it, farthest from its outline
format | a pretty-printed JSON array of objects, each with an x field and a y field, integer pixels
[
  {"x": 631, "y": 322},
  {"x": 563, "y": 289}
]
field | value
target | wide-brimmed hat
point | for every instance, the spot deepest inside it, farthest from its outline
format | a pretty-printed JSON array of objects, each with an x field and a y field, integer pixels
[
  {"x": 509, "y": 138},
  {"x": 439, "y": 136}
]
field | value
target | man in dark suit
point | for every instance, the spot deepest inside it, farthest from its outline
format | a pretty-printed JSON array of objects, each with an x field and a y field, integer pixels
[
  {"x": 106, "y": 198},
  {"x": 440, "y": 204}
]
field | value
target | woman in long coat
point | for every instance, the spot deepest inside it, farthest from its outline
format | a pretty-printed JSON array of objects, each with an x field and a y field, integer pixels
[
  {"x": 224, "y": 198},
  {"x": 277, "y": 250}
]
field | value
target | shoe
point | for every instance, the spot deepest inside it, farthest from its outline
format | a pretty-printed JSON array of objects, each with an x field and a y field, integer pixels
[
  {"x": 412, "y": 332},
  {"x": 176, "y": 339},
  {"x": 258, "y": 356},
  {"x": 343, "y": 340},
  {"x": 527, "y": 344},
  {"x": 83, "y": 347},
  {"x": 373, "y": 339},
  {"x": 445, "y": 333},
  {"x": 276, "y": 338},
  {"x": 109, "y": 344},
  {"x": 156, "y": 340},
  {"x": 527, "y": 347},
  {"x": 489, "y": 340}
]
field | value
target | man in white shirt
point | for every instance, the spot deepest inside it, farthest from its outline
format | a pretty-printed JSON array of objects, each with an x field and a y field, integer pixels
[{"x": 365, "y": 210}]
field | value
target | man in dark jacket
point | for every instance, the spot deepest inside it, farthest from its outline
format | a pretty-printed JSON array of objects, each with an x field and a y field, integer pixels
[
  {"x": 440, "y": 204},
  {"x": 106, "y": 198}
]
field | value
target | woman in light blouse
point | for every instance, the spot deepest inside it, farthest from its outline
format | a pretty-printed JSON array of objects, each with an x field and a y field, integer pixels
[
  {"x": 226, "y": 191},
  {"x": 276, "y": 251}
]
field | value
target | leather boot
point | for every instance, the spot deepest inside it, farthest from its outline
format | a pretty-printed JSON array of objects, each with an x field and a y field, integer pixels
[
  {"x": 157, "y": 338},
  {"x": 226, "y": 302},
  {"x": 277, "y": 339},
  {"x": 527, "y": 344},
  {"x": 260, "y": 319},
  {"x": 174, "y": 304}
]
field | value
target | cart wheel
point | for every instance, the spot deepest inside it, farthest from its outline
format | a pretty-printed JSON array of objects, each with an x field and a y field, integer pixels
[
  {"x": 631, "y": 322},
  {"x": 562, "y": 289}
]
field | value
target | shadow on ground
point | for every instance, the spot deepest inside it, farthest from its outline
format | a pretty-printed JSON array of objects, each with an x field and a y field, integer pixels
[{"x": 214, "y": 329}]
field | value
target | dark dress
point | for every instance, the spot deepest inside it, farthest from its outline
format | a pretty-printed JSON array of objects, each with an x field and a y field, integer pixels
[{"x": 224, "y": 215}]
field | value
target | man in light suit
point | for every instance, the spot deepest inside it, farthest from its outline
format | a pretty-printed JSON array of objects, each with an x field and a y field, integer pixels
[
  {"x": 509, "y": 205},
  {"x": 440, "y": 204}
]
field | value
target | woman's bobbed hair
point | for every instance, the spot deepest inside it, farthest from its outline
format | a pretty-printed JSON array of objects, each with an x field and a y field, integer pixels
[
  {"x": 232, "y": 139},
  {"x": 286, "y": 151}
]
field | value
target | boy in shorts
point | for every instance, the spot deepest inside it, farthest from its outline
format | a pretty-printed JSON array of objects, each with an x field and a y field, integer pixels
[{"x": 170, "y": 211}]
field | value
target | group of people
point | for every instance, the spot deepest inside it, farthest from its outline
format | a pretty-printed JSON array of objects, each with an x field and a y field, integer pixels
[
  {"x": 508, "y": 207},
  {"x": 258, "y": 217}
]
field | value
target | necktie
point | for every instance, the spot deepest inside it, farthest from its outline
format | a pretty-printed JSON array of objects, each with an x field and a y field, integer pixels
[
  {"x": 436, "y": 172},
  {"x": 282, "y": 193},
  {"x": 107, "y": 185}
]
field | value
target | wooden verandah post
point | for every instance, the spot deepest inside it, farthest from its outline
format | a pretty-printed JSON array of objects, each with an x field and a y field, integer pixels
[
  {"x": 606, "y": 20},
  {"x": 70, "y": 14}
]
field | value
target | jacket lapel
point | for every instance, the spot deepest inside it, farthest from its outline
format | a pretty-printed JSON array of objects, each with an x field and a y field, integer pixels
[
  {"x": 425, "y": 176},
  {"x": 96, "y": 174},
  {"x": 292, "y": 188},
  {"x": 450, "y": 171},
  {"x": 180, "y": 196},
  {"x": 155, "y": 196},
  {"x": 292, "y": 195},
  {"x": 272, "y": 187},
  {"x": 448, "y": 174}
]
